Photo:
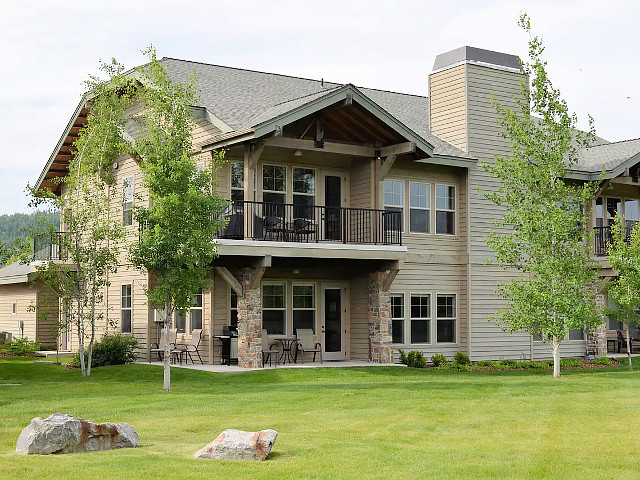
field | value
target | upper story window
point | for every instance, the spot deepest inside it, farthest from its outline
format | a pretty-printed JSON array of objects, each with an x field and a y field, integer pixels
[
  {"x": 394, "y": 197},
  {"x": 127, "y": 200},
  {"x": 614, "y": 207},
  {"x": 237, "y": 181},
  {"x": 445, "y": 209},
  {"x": 274, "y": 183},
  {"x": 304, "y": 192},
  {"x": 419, "y": 204},
  {"x": 631, "y": 213}
]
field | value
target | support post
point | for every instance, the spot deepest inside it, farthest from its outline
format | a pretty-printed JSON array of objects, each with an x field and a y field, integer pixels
[{"x": 379, "y": 319}]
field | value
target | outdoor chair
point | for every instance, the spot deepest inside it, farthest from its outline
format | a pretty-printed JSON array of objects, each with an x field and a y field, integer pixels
[
  {"x": 622, "y": 341},
  {"x": 304, "y": 229},
  {"x": 192, "y": 346},
  {"x": 273, "y": 228},
  {"x": 305, "y": 344},
  {"x": 159, "y": 347},
  {"x": 268, "y": 351}
]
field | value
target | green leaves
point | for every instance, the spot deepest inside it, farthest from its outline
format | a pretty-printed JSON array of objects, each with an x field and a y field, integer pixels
[{"x": 543, "y": 231}]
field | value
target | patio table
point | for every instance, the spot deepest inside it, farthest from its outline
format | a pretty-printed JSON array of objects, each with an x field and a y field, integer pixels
[{"x": 287, "y": 343}]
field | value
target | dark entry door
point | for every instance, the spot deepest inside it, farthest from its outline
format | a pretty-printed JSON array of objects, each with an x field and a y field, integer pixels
[{"x": 333, "y": 213}]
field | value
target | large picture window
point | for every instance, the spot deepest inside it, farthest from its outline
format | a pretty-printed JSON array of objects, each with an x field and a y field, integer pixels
[
  {"x": 445, "y": 318},
  {"x": 127, "y": 200},
  {"x": 274, "y": 308},
  {"x": 420, "y": 318},
  {"x": 304, "y": 307},
  {"x": 397, "y": 318},
  {"x": 445, "y": 210},
  {"x": 125, "y": 308},
  {"x": 419, "y": 203}
]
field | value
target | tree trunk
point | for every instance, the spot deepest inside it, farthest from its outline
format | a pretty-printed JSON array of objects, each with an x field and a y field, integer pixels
[
  {"x": 626, "y": 327},
  {"x": 555, "y": 345},
  {"x": 81, "y": 338},
  {"x": 167, "y": 350},
  {"x": 93, "y": 316}
]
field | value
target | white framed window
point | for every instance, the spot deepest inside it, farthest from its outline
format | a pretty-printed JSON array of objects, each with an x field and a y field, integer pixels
[
  {"x": 397, "y": 318},
  {"x": 599, "y": 212},
  {"x": 614, "y": 207},
  {"x": 274, "y": 308},
  {"x": 445, "y": 210},
  {"x": 631, "y": 214},
  {"x": 446, "y": 316},
  {"x": 126, "y": 307},
  {"x": 420, "y": 314},
  {"x": 200, "y": 167},
  {"x": 274, "y": 183},
  {"x": 304, "y": 192},
  {"x": 394, "y": 198},
  {"x": 575, "y": 334},
  {"x": 127, "y": 200},
  {"x": 233, "y": 307},
  {"x": 237, "y": 181},
  {"x": 419, "y": 207},
  {"x": 194, "y": 318},
  {"x": 304, "y": 306}
]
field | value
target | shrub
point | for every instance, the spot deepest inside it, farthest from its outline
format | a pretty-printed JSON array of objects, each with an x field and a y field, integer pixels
[
  {"x": 484, "y": 363},
  {"x": 112, "y": 349},
  {"x": 439, "y": 360},
  {"x": 601, "y": 361},
  {"x": 19, "y": 346},
  {"x": 403, "y": 357},
  {"x": 570, "y": 362},
  {"x": 507, "y": 362},
  {"x": 456, "y": 367},
  {"x": 461, "y": 358},
  {"x": 528, "y": 365}
]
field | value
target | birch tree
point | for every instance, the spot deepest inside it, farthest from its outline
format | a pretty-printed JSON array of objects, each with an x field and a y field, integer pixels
[
  {"x": 542, "y": 234},
  {"x": 93, "y": 232},
  {"x": 624, "y": 290},
  {"x": 176, "y": 244}
]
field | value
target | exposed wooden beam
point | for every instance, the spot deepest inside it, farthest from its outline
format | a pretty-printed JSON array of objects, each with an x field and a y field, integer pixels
[
  {"x": 386, "y": 165},
  {"x": 298, "y": 144},
  {"x": 230, "y": 279},
  {"x": 256, "y": 277},
  {"x": 319, "y": 130},
  {"x": 255, "y": 151},
  {"x": 263, "y": 262},
  {"x": 626, "y": 181},
  {"x": 398, "y": 149},
  {"x": 391, "y": 274}
]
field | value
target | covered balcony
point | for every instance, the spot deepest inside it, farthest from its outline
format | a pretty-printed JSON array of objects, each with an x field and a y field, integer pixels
[
  {"x": 285, "y": 222},
  {"x": 50, "y": 246},
  {"x": 602, "y": 237}
]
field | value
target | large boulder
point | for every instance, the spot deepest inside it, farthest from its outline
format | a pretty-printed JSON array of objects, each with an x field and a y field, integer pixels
[
  {"x": 61, "y": 433},
  {"x": 239, "y": 445}
]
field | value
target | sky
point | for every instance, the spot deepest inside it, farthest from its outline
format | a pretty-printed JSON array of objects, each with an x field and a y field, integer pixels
[{"x": 50, "y": 47}]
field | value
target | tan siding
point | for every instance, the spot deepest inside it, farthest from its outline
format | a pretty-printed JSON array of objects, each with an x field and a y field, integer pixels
[
  {"x": 25, "y": 298},
  {"x": 359, "y": 321},
  {"x": 360, "y": 186},
  {"x": 448, "y": 105}
]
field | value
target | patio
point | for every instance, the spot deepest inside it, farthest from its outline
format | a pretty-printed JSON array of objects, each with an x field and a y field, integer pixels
[{"x": 236, "y": 369}]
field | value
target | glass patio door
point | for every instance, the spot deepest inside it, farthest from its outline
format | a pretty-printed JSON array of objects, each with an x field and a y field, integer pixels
[{"x": 333, "y": 323}]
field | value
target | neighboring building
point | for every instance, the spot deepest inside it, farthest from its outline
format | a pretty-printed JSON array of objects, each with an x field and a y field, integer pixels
[{"x": 356, "y": 212}]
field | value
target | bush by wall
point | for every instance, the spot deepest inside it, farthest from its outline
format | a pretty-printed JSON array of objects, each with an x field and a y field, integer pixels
[
  {"x": 19, "y": 347},
  {"x": 112, "y": 349}
]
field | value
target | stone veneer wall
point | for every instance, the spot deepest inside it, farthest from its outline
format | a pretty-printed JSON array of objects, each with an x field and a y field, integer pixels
[
  {"x": 597, "y": 341},
  {"x": 379, "y": 320},
  {"x": 249, "y": 322}
]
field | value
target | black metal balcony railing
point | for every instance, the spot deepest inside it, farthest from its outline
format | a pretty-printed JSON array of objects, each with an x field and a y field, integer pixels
[
  {"x": 49, "y": 246},
  {"x": 312, "y": 223},
  {"x": 603, "y": 238}
]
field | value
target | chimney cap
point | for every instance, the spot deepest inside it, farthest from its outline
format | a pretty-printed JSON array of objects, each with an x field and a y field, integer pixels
[{"x": 476, "y": 55}]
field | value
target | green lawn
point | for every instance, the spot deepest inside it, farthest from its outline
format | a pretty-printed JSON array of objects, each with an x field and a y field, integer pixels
[{"x": 350, "y": 423}]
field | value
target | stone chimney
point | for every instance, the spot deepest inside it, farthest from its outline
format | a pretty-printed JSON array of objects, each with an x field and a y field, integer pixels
[{"x": 460, "y": 88}]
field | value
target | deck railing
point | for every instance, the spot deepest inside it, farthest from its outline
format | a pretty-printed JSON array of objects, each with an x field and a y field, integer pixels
[
  {"x": 50, "y": 246},
  {"x": 286, "y": 222},
  {"x": 602, "y": 238}
]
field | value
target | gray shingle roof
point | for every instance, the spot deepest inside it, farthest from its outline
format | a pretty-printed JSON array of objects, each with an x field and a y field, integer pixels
[
  {"x": 245, "y": 98},
  {"x": 609, "y": 155},
  {"x": 15, "y": 269}
]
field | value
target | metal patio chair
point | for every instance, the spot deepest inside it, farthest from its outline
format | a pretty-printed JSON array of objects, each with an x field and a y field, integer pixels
[
  {"x": 305, "y": 344},
  {"x": 268, "y": 351}
]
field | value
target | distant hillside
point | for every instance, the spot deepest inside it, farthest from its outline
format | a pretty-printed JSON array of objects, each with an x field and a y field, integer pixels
[{"x": 18, "y": 225}]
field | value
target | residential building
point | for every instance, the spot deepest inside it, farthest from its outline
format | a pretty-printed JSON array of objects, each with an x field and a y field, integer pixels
[{"x": 356, "y": 212}]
